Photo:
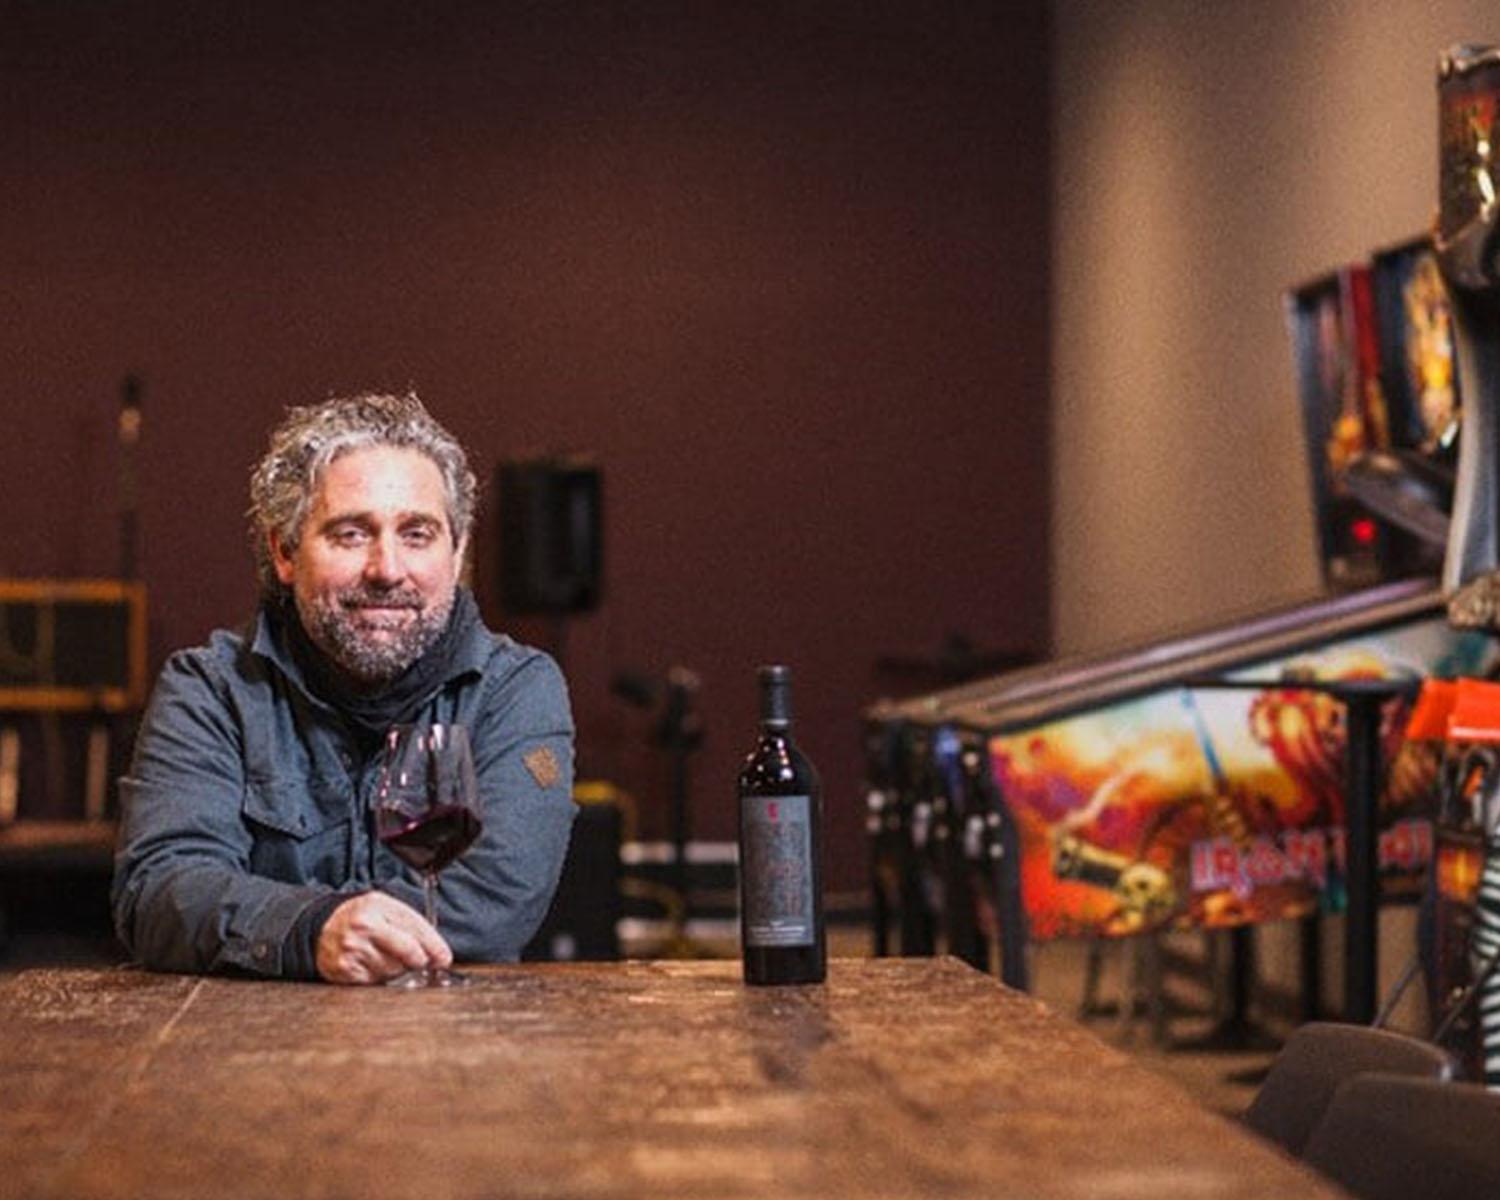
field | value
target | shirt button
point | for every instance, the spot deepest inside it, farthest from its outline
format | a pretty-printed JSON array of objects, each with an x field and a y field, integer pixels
[{"x": 260, "y": 951}]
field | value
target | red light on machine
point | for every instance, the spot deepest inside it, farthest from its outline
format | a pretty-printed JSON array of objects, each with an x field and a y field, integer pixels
[{"x": 1363, "y": 531}]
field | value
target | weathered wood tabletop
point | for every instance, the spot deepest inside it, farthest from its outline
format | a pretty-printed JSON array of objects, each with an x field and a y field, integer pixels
[{"x": 899, "y": 1077}]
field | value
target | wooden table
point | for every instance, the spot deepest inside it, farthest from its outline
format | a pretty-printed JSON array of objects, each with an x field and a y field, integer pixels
[{"x": 899, "y": 1077}]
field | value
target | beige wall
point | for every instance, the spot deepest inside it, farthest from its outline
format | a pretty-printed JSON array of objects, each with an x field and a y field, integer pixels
[{"x": 1208, "y": 156}]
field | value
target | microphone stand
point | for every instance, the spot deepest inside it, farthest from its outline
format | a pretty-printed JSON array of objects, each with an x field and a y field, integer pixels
[{"x": 679, "y": 732}]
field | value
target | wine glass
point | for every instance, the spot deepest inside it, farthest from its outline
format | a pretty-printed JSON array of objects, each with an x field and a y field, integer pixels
[{"x": 427, "y": 812}]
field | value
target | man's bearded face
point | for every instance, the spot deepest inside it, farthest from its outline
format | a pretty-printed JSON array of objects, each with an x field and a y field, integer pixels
[{"x": 374, "y": 572}]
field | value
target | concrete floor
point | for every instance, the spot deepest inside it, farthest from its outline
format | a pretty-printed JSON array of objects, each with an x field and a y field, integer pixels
[{"x": 1187, "y": 1032}]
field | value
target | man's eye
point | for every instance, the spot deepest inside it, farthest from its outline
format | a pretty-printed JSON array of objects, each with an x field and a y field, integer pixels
[
  {"x": 420, "y": 536},
  {"x": 348, "y": 537}
]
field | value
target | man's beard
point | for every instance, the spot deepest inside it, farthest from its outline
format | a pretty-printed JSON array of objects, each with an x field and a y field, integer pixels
[{"x": 336, "y": 626}]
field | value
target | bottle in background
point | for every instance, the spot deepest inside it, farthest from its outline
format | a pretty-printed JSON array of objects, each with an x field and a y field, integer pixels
[{"x": 782, "y": 935}]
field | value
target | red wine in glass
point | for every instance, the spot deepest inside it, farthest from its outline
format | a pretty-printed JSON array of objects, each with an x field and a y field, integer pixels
[
  {"x": 427, "y": 812},
  {"x": 429, "y": 842}
]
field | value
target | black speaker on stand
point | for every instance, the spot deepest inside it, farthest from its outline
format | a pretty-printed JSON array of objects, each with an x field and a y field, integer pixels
[
  {"x": 551, "y": 552},
  {"x": 551, "y": 564}
]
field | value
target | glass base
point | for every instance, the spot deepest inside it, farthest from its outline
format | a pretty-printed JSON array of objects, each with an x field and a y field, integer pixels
[{"x": 425, "y": 977}]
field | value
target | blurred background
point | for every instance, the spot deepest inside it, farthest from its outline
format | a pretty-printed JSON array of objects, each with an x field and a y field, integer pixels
[{"x": 908, "y": 340}]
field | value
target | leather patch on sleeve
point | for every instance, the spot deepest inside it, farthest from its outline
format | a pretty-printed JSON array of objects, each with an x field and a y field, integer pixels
[{"x": 542, "y": 764}]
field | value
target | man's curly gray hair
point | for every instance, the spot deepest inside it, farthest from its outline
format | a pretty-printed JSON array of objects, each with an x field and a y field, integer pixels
[{"x": 283, "y": 483}]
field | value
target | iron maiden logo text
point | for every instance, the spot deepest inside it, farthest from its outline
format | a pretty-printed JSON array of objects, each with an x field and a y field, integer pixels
[{"x": 1300, "y": 855}]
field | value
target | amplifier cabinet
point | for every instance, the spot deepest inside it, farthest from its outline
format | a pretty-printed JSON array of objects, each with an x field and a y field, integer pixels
[{"x": 72, "y": 645}]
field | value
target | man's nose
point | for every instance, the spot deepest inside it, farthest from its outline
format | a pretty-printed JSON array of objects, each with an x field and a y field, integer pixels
[{"x": 385, "y": 564}]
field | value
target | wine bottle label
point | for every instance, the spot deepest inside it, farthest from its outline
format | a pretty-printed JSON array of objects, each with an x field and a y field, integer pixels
[{"x": 778, "y": 875}]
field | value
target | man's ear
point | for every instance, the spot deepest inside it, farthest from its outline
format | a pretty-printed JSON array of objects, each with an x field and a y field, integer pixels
[{"x": 281, "y": 558}]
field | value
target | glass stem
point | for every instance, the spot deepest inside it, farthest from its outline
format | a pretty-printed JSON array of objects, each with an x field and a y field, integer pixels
[{"x": 429, "y": 896}]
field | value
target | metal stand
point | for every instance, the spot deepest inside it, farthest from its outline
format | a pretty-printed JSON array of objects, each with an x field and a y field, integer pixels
[
  {"x": 679, "y": 731},
  {"x": 1363, "y": 701}
]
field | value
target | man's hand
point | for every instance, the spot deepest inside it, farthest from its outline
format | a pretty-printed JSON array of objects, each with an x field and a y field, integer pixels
[{"x": 374, "y": 937}]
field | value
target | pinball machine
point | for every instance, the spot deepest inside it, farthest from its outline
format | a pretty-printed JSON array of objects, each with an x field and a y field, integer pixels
[
  {"x": 1197, "y": 781},
  {"x": 1257, "y": 770}
]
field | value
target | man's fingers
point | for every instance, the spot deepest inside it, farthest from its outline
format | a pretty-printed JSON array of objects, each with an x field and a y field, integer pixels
[
  {"x": 403, "y": 945},
  {"x": 430, "y": 943},
  {"x": 403, "y": 933},
  {"x": 373, "y": 936}
]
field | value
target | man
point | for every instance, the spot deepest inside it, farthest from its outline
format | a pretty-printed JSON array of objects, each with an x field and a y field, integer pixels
[{"x": 247, "y": 841}]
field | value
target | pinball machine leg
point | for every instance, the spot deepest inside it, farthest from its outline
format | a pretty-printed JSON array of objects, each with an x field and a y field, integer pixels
[
  {"x": 1010, "y": 906},
  {"x": 880, "y": 912},
  {"x": 1364, "y": 780},
  {"x": 1145, "y": 990},
  {"x": 1093, "y": 971},
  {"x": 1310, "y": 965}
]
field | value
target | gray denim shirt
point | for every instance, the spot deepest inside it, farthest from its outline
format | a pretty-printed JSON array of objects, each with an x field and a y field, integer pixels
[{"x": 247, "y": 802}]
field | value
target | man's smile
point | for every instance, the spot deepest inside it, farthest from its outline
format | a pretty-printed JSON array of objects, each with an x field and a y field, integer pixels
[{"x": 381, "y": 617}]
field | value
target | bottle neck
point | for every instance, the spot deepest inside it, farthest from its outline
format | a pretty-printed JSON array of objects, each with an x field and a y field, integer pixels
[{"x": 775, "y": 700}]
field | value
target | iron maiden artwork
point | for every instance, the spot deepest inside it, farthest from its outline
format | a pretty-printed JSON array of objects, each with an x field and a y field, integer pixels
[{"x": 1218, "y": 807}]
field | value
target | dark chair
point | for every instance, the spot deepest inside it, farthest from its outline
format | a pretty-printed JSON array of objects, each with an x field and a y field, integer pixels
[
  {"x": 1394, "y": 1137},
  {"x": 1316, "y": 1059}
]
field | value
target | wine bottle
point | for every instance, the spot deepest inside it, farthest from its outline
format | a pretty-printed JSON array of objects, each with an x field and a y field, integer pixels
[{"x": 782, "y": 937}]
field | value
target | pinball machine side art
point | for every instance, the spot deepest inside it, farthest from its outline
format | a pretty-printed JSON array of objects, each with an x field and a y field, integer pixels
[{"x": 1216, "y": 808}]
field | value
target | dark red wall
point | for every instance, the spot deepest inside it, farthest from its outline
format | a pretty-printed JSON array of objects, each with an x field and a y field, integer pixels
[{"x": 781, "y": 268}]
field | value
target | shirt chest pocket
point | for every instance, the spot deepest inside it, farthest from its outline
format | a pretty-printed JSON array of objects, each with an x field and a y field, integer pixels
[{"x": 300, "y": 829}]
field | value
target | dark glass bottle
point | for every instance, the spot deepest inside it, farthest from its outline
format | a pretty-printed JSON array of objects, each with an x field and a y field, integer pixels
[{"x": 782, "y": 935}]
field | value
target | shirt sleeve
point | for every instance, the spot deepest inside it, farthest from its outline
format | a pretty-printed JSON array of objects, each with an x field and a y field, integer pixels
[
  {"x": 493, "y": 898},
  {"x": 184, "y": 895}
]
